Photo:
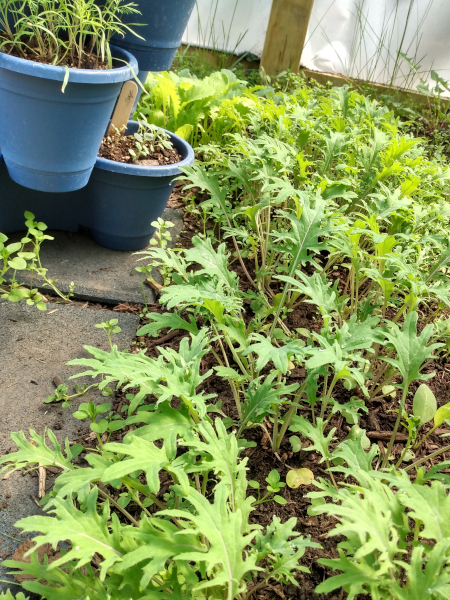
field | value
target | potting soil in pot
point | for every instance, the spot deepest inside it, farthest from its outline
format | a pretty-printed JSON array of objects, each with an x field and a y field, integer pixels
[{"x": 118, "y": 148}]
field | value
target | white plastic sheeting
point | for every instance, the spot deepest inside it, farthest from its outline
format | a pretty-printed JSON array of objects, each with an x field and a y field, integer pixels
[
  {"x": 237, "y": 26},
  {"x": 359, "y": 38}
]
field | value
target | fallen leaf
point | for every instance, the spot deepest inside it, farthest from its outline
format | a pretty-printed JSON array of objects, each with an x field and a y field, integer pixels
[
  {"x": 297, "y": 477},
  {"x": 19, "y": 555}
]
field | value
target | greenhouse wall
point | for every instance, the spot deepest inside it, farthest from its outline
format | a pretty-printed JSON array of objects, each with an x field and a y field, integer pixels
[{"x": 387, "y": 41}]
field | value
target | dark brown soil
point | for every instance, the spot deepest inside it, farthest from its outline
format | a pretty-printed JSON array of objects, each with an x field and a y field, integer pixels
[
  {"x": 117, "y": 148},
  {"x": 87, "y": 61}
]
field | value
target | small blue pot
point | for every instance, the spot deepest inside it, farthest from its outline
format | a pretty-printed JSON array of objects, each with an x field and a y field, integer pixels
[
  {"x": 162, "y": 24},
  {"x": 118, "y": 205},
  {"x": 50, "y": 139},
  {"x": 124, "y": 199}
]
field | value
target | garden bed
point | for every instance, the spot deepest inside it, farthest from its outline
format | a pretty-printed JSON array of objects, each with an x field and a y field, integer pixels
[{"x": 284, "y": 433}]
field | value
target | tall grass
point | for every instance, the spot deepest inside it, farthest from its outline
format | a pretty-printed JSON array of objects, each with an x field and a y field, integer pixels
[
  {"x": 391, "y": 54},
  {"x": 214, "y": 36}
]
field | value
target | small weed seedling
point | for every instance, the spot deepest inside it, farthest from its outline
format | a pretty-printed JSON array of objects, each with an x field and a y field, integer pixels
[
  {"x": 274, "y": 485},
  {"x": 19, "y": 258},
  {"x": 110, "y": 327}
]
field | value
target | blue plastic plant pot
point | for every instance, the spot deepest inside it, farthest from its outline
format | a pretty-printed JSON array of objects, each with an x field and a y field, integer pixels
[
  {"x": 57, "y": 211},
  {"x": 161, "y": 24},
  {"x": 124, "y": 199},
  {"x": 50, "y": 138}
]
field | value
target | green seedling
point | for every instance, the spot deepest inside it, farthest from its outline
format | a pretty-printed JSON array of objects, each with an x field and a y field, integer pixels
[
  {"x": 18, "y": 258},
  {"x": 274, "y": 485},
  {"x": 148, "y": 139},
  {"x": 110, "y": 327}
]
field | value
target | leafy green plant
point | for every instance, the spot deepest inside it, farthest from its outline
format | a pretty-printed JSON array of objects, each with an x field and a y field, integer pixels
[
  {"x": 19, "y": 257},
  {"x": 274, "y": 485},
  {"x": 162, "y": 238},
  {"x": 190, "y": 545},
  {"x": 321, "y": 203},
  {"x": 148, "y": 138},
  {"x": 396, "y": 544},
  {"x": 198, "y": 110},
  {"x": 110, "y": 327}
]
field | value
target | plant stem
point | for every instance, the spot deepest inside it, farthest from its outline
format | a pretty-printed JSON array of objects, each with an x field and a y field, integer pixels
[
  {"x": 192, "y": 411},
  {"x": 275, "y": 429},
  {"x": 429, "y": 457},
  {"x": 290, "y": 415},
  {"x": 120, "y": 508},
  {"x": 405, "y": 449},
  {"x": 286, "y": 422},
  {"x": 397, "y": 425},
  {"x": 143, "y": 291},
  {"x": 331, "y": 473},
  {"x": 327, "y": 397},
  {"x": 417, "y": 446}
]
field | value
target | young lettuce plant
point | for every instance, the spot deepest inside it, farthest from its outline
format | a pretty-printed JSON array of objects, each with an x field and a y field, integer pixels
[{"x": 199, "y": 110}]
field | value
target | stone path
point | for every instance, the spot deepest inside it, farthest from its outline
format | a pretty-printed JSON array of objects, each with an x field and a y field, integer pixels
[{"x": 99, "y": 274}]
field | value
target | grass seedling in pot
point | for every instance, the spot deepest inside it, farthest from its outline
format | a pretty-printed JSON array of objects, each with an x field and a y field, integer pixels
[{"x": 71, "y": 33}]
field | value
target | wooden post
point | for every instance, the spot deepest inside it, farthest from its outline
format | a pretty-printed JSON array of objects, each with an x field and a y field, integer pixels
[{"x": 286, "y": 35}]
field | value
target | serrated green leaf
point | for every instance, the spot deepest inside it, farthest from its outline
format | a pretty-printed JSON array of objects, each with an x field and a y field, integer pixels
[
  {"x": 357, "y": 459},
  {"x": 88, "y": 532},
  {"x": 260, "y": 397},
  {"x": 227, "y": 563},
  {"x": 412, "y": 349},
  {"x": 170, "y": 320},
  {"x": 38, "y": 452},
  {"x": 320, "y": 443},
  {"x": 213, "y": 261},
  {"x": 267, "y": 352},
  {"x": 431, "y": 506},
  {"x": 145, "y": 456}
]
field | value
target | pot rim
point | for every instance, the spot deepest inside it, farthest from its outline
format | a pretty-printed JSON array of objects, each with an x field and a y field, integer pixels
[
  {"x": 147, "y": 171},
  {"x": 92, "y": 76}
]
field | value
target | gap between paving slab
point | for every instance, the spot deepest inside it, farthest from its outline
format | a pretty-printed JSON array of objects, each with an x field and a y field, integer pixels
[
  {"x": 34, "y": 347},
  {"x": 99, "y": 274}
]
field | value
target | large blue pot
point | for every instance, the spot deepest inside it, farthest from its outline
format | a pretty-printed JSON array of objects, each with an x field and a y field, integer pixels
[
  {"x": 162, "y": 26},
  {"x": 50, "y": 139},
  {"x": 124, "y": 199},
  {"x": 62, "y": 211}
]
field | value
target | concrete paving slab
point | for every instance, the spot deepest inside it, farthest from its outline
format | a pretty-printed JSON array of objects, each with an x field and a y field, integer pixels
[
  {"x": 34, "y": 348},
  {"x": 99, "y": 274}
]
